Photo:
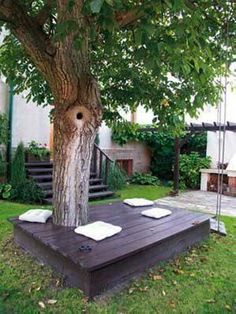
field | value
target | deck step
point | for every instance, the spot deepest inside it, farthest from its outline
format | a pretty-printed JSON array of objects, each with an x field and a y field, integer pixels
[
  {"x": 102, "y": 194},
  {"x": 42, "y": 174},
  {"x": 49, "y": 192},
  {"x": 39, "y": 164},
  {"x": 45, "y": 185},
  {"x": 93, "y": 175},
  {"x": 92, "y": 196},
  {"x": 39, "y": 170},
  {"x": 47, "y": 177},
  {"x": 43, "y": 177},
  {"x": 95, "y": 181},
  {"x": 48, "y": 201},
  {"x": 98, "y": 187}
]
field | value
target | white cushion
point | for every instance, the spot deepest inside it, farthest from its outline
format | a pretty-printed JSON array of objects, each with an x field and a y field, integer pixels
[
  {"x": 98, "y": 230},
  {"x": 156, "y": 212},
  {"x": 136, "y": 202},
  {"x": 36, "y": 215}
]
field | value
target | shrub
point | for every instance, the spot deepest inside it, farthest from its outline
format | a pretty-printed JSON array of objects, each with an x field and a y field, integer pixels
[
  {"x": 189, "y": 169},
  {"x": 3, "y": 166},
  {"x": 28, "y": 192},
  {"x": 144, "y": 179},
  {"x": 116, "y": 179},
  {"x": 18, "y": 173},
  {"x": 5, "y": 191},
  {"x": 23, "y": 189},
  {"x": 3, "y": 129}
]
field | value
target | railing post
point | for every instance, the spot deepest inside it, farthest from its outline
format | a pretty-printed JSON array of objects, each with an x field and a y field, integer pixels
[
  {"x": 100, "y": 164},
  {"x": 106, "y": 170},
  {"x": 95, "y": 159}
]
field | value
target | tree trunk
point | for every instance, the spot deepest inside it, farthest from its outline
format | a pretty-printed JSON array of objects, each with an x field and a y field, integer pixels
[{"x": 75, "y": 130}]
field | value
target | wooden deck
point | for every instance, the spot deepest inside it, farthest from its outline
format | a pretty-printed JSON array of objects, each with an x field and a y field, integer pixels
[{"x": 142, "y": 243}]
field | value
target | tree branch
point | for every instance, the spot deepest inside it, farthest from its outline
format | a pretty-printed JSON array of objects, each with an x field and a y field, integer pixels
[
  {"x": 45, "y": 12},
  {"x": 128, "y": 18},
  {"x": 27, "y": 31}
]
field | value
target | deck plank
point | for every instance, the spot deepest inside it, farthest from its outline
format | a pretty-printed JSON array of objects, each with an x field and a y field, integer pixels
[
  {"x": 129, "y": 228},
  {"x": 132, "y": 244}
]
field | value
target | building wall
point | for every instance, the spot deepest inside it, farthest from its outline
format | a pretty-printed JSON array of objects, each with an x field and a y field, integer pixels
[
  {"x": 139, "y": 153},
  {"x": 4, "y": 97},
  {"x": 213, "y": 146},
  {"x": 29, "y": 121}
]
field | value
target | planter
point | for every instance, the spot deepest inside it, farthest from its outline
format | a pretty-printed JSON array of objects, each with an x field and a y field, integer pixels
[{"x": 34, "y": 158}]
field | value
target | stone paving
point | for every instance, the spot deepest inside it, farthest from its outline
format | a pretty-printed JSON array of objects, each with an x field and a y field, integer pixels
[{"x": 201, "y": 201}]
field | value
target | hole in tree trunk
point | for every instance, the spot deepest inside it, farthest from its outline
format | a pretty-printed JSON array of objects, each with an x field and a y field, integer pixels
[{"x": 79, "y": 116}]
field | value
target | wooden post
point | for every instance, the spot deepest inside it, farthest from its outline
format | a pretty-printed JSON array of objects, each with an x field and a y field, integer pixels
[{"x": 176, "y": 166}]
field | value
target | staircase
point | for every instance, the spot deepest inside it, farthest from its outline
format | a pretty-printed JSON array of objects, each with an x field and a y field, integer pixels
[{"x": 41, "y": 173}]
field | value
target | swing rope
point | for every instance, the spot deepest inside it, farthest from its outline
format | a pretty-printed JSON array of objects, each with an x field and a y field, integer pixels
[{"x": 222, "y": 128}]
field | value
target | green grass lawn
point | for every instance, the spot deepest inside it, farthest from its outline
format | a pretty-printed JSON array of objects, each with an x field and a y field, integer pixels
[
  {"x": 147, "y": 191},
  {"x": 203, "y": 281}
]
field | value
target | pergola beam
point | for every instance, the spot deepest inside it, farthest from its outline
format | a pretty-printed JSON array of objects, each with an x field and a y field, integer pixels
[{"x": 199, "y": 127}]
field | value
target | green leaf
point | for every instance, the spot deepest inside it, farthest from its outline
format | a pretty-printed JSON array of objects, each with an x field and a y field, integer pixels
[
  {"x": 110, "y": 2},
  {"x": 96, "y": 5}
]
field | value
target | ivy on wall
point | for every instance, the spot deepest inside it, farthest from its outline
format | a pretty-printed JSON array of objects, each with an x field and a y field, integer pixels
[{"x": 161, "y": 144}]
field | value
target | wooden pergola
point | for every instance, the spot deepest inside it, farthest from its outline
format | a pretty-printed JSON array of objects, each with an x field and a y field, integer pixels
[{"x": 192, "y": 128}]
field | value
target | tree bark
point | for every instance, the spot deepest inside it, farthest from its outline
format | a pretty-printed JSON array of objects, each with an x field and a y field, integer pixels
[
  {"x": 78, "y": 109},
  {"x": 75, "y": 130}
]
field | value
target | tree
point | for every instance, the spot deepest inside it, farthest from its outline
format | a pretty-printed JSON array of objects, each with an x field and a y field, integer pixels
[{"x": 165, "y": 54}]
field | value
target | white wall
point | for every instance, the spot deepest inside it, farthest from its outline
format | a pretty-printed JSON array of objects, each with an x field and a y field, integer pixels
[
  {"x": 30, "y": 122},
  {"x": 213, "y": 146},
  {"x": 4, "y": 99}
]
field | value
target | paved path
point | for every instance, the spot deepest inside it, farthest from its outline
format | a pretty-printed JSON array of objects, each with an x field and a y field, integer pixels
[{"x": 201, "y": 201}]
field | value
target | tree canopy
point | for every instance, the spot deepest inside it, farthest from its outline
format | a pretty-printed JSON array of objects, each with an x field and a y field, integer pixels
[{"x": 163, "y": 54}]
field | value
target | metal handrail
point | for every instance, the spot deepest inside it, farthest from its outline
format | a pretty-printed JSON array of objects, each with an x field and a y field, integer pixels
[
  {"x": 99, "y": 156},
  {"x": 97, "y": 147}
]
